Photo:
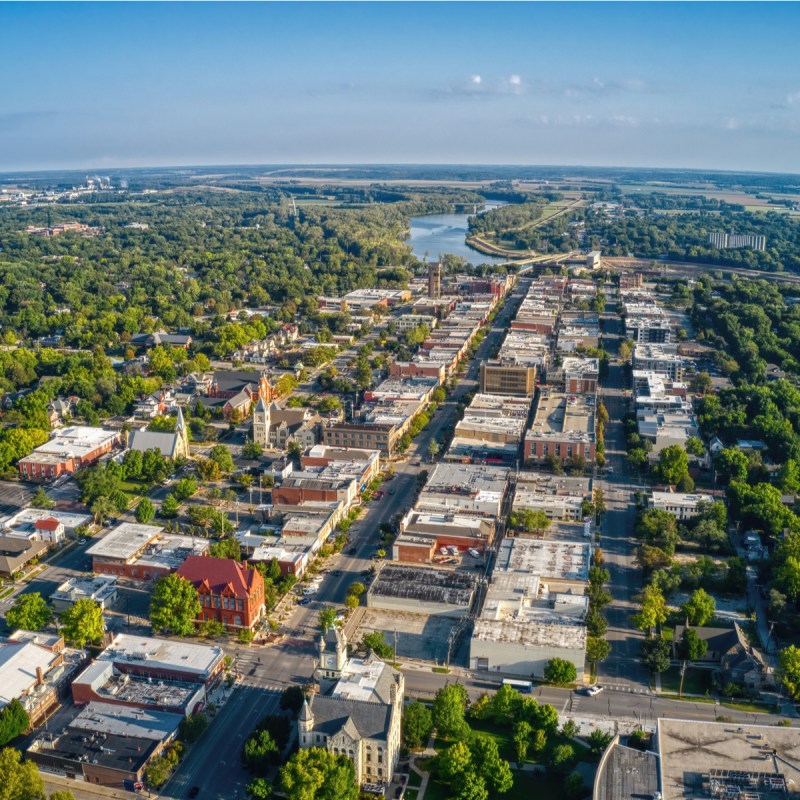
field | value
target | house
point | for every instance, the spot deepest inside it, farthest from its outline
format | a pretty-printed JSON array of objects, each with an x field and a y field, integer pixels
[
  {"x": 16, "y": 552},
  {"x": 356, "y": 711},
  {"x": 170, "y": 445},
  {"x": 730, "y": 654},
  {"x": 229, "y": 592},
  {"x": 161, "y": 338},
  {"x": 293, "y": 424},
  {"x": 154, "y": 405},
  {"x": 60, "y": 410},
  {"x": 228, "y": 383},
  {"x": 49, "y": 530}
]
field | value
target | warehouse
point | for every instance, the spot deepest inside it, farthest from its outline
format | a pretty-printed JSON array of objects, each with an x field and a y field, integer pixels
[{"x": 422, "y": 590}]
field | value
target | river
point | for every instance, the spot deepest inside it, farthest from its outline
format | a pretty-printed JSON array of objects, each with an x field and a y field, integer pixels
[{"x": 436, "y": 234}]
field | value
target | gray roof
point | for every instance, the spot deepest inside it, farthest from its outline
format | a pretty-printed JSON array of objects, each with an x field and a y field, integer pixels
[
  {"x": 165, "y": 443},
  {"x": 331, "y": 714}
]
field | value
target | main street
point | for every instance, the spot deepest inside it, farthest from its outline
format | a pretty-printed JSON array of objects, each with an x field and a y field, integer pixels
[{"x": 622, "y": 667}]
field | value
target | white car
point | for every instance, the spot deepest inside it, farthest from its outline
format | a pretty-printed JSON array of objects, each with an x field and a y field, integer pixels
[
  {"x": 594, "y": 690},
  {"x": 474, "y": 553},
  {"x": 309, "y": 591}
]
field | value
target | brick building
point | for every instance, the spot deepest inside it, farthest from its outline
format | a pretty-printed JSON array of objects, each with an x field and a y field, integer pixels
[
  {"x": 229, "y": 592},
  {"x": 70, "y": 450}
]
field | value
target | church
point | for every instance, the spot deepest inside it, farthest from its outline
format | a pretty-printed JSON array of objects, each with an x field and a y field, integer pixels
[
  {"x": 170, "y": 445},
  {"x": 356, "y": 710}
]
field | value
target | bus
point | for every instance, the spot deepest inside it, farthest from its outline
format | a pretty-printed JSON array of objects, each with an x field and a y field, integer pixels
[{"x": 525, "y": 687}]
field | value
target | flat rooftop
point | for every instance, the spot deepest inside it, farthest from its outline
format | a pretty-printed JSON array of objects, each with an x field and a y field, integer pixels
[
  {"x": 712, "y": 759},
  {"x": 466, "y": 479},
  {"x": 361, "y": 680},
  {"x": 125, "y": 541},
  {"x": 78, "y": 441},
  {"x": 200, "y": 659},
  {"x": 554, "y": 485},
  {"x": 549, "y": 559},
  {"x": 561, "y": 416},
  {"x": 98, "y": 587},
  {"x": 118, "y": 720},
  {"x": 448, "y": 587},
  {"x": 557, "y": 632}
]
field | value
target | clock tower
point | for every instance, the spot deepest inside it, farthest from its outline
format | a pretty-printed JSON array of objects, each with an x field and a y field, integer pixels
[{"x": 332, "y": 653}]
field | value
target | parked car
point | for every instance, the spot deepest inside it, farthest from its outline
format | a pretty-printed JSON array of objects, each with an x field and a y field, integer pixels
[
  {"x": 594, "y": 690},
  {"x": 474, "y": 553}
]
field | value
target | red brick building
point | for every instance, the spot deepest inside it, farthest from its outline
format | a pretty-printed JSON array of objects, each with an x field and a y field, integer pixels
[{"x": 229, "y": 592}]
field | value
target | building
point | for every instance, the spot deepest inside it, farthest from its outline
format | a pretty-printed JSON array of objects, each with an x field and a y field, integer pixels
[
  {"x": 422, "y": 590},
  {"x": 101, "y": 589},
  {"x": 44, "y": 525},
  {"x": 356, "y": 712},
  {"x": 301, "y": 425},
  {"x": 662, "y": 358},
  {"x": 435, "y": 279},
  {"x": 102, "y": 682},
  {"x": 563, "y": 426},
  {"x": 424, "y": 533},
  {"x": 69, "y": 450},
  {"x": 142, "y": 551},
  {"x": 709, "y": 760},
  {"x": 106, "y": 745},
  {"x": 464, "y": 489},
  {"x": 682, "y": 506},
  {"x": 16, "y": 552},
  {"x": 732, "y": 241},
  {"x": 561, "y": 497},
  {"x": 363, "y": 435},
  {"x": 494, "y": 418},
  {"x": 580, "y": 375},
  {"x": 34, "y": 671},
  {"x": 594, "y": 259},
  {"x": 261, "y": 422},
  {"x": 507, "y": 377},
  {"x": 170, "y": 445},
  {"x": 648, "y": 330},
  {"x": 229, "y": 592},
  {"x": 165, "y": 659}
]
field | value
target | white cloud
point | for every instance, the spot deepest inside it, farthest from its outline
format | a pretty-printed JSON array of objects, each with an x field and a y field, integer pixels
[
  {"x": 476, "y": 80},
  {"x": 732, "y": 124},
  {"x": 515, "y": 80}
]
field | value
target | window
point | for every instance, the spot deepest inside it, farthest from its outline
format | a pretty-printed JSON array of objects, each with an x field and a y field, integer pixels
[{"x": 217, "y": 603}]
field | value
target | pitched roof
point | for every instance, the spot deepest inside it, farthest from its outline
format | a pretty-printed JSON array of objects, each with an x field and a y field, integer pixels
[
  {"x": 165, "y": 443},
  {"x": 219, "y": 573},
  {"x": 48, "y": 524},
  {"x": 332, "y": 714},
  {"x": 234, "y": 380},
  {"x": 16, "y": 551}
]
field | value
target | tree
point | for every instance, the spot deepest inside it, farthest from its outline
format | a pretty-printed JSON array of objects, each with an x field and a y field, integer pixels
[
  {"x": 326, "y": 618},
  {"x": 700, "y": 608},
  {"x": 596, "y": 623},
  {"x": 561, "y": 757},
  {"x": 700, "y": 383},
  {"x": 732, "y": 464},
  {"x": 654, "y": 609},
  {"x": 789, "y": 670},
  {"x": 292, "y": 699},
  {"x": 29, "y": 612},
  {"x": 356, "y": 589},
  {"x": 417, "y": 725},
  {"x": 596, "y": 650},
  {"x": 169, "y": 508},
  {"x": 560, "y": 671},
  {"x": 259, "y": 789},
  {"x": 599, "y": 740},
  {"x": 522, "y": 738},
  {"x": 449, "y": 708},
  {"x": 317, "y": 774},
  {"x": 191, "y": 728},
  {"x": 62, "y": 795},
  {"x": 659, "y": 529},
  {"x": 208, "y": 470},
  {"x": 694, "y": 447},
  {"x": 260, "y": 752},
  {"x": 626, "y": 351},
  {"x": 376, "y": 642},
  {"x": 82, "y": 623},
  {"x": 226, "y": 548},
  {"x": 145, "y": 511},
  {"x": 174, "y": 605},
  {"x": 505, "y": 703},
  {"x": 19, "y": 780},
  {"x": 41, "y": 499},
  {"x": 787, "y": 577},
  {"x": 14, "y": 720},
  {"x": 455, "y": 761},
  {"x": 433, "y": 448},
  {"x": 222, "y": 457},
  {"x": 529, "y": 520},
  {"x": 692, "y": 647},
  {"x": 673, "y": 464},
  {"x": 488, "y": 765},
  {"x": 655, "y": 654}
]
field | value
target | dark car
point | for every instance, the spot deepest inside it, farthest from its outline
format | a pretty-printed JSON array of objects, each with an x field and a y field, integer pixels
[
  {"x": 351, "y": 550},
  {"x": 194, "y": 791}
]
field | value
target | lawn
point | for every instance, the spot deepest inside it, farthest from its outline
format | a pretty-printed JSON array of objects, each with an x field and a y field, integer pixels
[
  {"x": 134, "y": 488},
  {"x": 696, "y": 681}
]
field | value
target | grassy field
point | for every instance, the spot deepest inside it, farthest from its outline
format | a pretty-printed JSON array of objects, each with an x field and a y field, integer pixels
[{"x": 696, "y": 681}]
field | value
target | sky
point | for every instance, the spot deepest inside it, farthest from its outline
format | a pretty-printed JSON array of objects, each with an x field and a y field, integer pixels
[{"x": 104, "y": 85}]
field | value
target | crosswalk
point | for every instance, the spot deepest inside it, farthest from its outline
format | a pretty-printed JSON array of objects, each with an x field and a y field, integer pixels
[{"x": 249, "y": 666}]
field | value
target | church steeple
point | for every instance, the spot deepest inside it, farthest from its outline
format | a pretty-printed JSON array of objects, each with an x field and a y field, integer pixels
[{"x": 261, "y": 422}]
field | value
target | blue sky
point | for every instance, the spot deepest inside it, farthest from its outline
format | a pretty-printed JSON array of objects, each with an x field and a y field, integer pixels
[{"x": 705, "y": 85}]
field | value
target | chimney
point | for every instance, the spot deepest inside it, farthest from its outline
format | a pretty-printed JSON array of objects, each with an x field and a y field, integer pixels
[{"x": 39, "y": 676}]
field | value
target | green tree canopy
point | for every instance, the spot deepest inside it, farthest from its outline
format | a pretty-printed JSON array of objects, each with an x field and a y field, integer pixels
[
  {"x": 449, "y": 709},
  {"x": 145, "y": 511},
  {"x": 417, "y": 725},
  {"x": 29, "y": 612},
  {"x": 700, "y": 608},
  {"x": 19, "y": 780},
  {"x": 174, "y": 605},
  {"x": 560, "y": 671},
  {"x": 673, "y": 464},
  {"x": 82, "y": 623},
  {"x": 317, "y": 774}
]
